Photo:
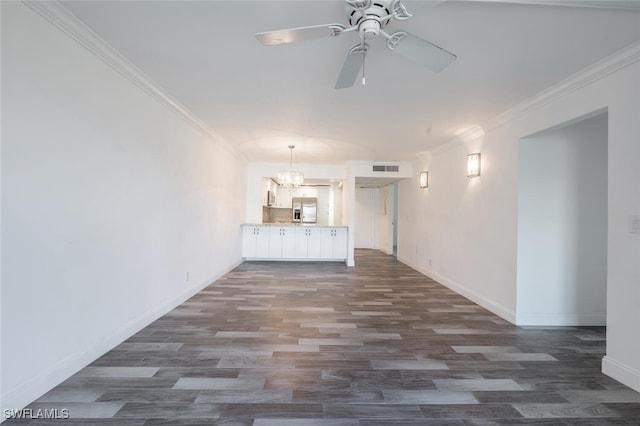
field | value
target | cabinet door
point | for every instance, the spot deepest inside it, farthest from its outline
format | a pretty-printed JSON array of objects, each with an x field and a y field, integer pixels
[
  {"x": 275, "y": 242},
  {"x": 314, "y": 238},
  {"x": 300, "y": 245},
  {"x": 334, "y": 243},
  {"x": 326, "y": 243},
  {"x": 340, "y": 243},
  {"x": 248, "y": 241},
  {"x": 262, "y": 241},
  {"x": 288, "y": 243}
]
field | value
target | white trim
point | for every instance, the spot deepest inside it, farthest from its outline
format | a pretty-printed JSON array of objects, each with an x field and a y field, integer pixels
[
  {"x": 454, "y": 142},
  {"x": 37, "y": 386},
  {"x": 613, "y": 63},
  {"x": 294, "y": 259},
  {"x": 488, "y": 304},
  {"x": 625, "y": 5},
  {"x": 621, "y": 372},
  {"x": 561, "y": 320},
  {"x": 69, "y": 24},
  {"x": 621, "y": 59}
]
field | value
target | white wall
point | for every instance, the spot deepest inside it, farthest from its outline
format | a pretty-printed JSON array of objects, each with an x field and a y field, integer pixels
[
  {"x": 366, "y": 223},
  {"x": 323, "y": 211},
  {"x": 463, "y": 231},
  {"x": 394, "y": 221},
  {"x": 562, "y": 226},
  {"x": 348, "y": 213},
  {"x": 337, "y": 198},
  {"x": 385, "y": 219},
  {"x": 114, "y": 209},
  {"x": 623, "y": 248}
]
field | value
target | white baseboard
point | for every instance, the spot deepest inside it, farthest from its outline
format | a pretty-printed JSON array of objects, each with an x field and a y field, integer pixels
[
  {"x": 561, "y": 319},
  {"x": 623, "y": 373},
  {"x": 294, "y": 259},
  {"x": 488, "y": 304},
  {"x": 32, "y": 389}
]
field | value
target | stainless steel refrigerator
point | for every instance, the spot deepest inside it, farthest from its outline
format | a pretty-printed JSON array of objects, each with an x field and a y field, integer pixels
[{"x": 304, "y": 210}]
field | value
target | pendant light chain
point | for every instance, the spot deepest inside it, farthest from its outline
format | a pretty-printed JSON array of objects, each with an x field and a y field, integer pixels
[{"x": 291, "y": 156}]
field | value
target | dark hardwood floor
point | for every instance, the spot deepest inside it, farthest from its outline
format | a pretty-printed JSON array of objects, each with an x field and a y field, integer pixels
[{"x": 322, "y": 344}]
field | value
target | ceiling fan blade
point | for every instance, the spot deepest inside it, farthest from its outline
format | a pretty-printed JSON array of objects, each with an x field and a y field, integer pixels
[
  {"x": 351, "y": 66},
  {"x": 418, "y": 50},
  {"x": 291, "y": 35}
]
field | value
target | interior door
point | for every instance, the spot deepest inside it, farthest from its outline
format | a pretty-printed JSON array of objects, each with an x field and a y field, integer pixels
[{"x": 365, "y": 224}]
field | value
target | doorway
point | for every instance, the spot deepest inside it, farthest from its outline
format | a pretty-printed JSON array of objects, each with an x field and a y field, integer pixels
[
  {"x": 376, "y": 214},
  {"x": 562, "y": 225}
]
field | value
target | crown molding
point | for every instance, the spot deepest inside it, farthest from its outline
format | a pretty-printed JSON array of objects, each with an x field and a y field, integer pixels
[
  {"x": 453, "y": 142},
  {"x": 609, "y": 65},
  {"x": 597, "y": 71},
  {"x": 72, "y": 26},
  {"x": 423, "y": 157},
  {"x": 624, "y": 5}
]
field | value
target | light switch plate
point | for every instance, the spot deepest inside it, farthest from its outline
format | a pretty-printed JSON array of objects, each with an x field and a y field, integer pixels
[{"x": 634, "y": 224}]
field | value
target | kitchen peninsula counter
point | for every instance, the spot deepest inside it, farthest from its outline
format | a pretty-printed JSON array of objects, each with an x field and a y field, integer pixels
[
  {"x": 294, "y": 242},
  {"x": 296, "y": 224}
]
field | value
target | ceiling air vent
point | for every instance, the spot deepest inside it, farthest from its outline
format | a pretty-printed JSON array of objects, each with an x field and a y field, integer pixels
[{"x": 385, "y": 168}]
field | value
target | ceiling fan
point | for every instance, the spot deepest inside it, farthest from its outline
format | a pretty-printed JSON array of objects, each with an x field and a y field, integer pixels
[{"x": 368, "y": 18}]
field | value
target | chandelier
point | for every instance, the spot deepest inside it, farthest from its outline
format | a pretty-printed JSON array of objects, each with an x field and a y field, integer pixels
[{"x": 290, "y": 179}]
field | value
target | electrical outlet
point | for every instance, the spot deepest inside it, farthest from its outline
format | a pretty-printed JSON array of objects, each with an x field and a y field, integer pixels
[
  {"x": 187, "y": 276},
  {"x": 634, "y": 224},
  {"x": 429, "y": 263}
]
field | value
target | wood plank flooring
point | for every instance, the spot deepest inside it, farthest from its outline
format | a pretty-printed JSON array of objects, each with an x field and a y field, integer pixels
[{"x": 322, "y": 344}]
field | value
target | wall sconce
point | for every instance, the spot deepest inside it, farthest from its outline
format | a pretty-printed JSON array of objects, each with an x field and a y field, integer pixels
[
  {"x": 424, "y": 179},
  {"x": 473, "y": 165}
]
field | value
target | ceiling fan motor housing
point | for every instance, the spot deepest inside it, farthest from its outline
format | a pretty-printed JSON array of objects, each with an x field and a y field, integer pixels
[{"x": 370, "y": 21}]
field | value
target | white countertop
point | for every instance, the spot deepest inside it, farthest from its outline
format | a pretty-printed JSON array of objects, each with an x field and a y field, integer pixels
[{"x": 281, "y": 224}]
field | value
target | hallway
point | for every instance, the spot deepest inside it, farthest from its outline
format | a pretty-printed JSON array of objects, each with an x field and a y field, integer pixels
[{"x": 278, "y": 343}]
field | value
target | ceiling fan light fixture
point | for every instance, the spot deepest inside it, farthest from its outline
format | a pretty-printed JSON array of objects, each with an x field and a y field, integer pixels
[{"x": 369, "y": 29}]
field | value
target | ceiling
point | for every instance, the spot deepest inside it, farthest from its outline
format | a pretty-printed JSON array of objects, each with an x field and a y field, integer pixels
[{"x": 262, "y": 98}]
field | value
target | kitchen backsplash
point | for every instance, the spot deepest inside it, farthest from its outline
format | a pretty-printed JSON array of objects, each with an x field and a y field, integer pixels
[{"x": 275, "y": 214}]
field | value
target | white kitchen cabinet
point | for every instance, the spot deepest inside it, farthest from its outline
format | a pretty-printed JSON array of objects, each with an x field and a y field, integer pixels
[
  {"x": 313, "y": 243},
  {"x": 333, "y": 243},
  {"x": 281, "y": 242},
  {"x": 340, "y": 243},
  {"x": 255, "y": 241},
  {"x": 307, "y": 242},
  {"x": 293, "y": 242}
]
